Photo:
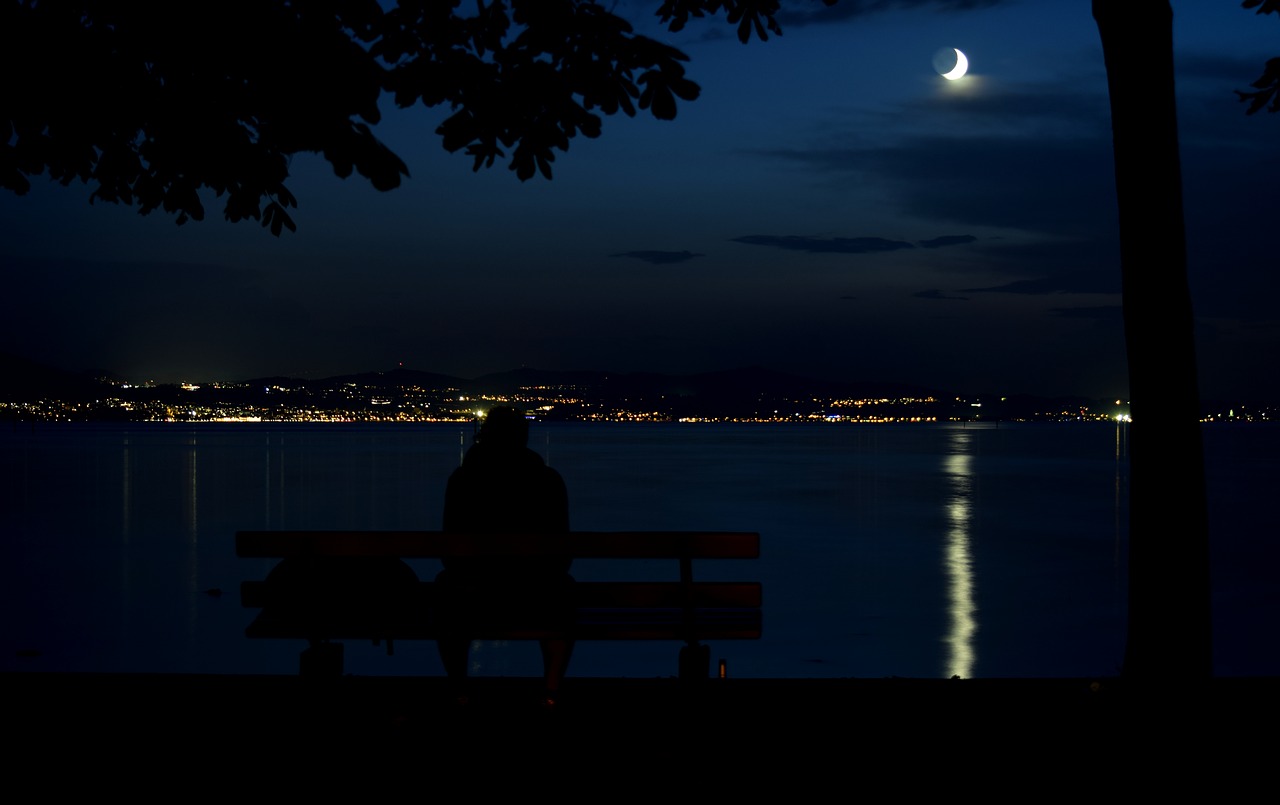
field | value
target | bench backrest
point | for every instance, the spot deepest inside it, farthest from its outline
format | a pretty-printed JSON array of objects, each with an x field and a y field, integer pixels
[
  {"x": 442, "y": 544},
  {"x": 684, "y": 610}
]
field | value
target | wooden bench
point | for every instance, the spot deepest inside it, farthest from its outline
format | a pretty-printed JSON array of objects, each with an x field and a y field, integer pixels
[{"x": 344, "y": 585}]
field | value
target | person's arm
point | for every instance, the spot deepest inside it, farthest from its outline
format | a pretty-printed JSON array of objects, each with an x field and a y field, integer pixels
[
  {"x": 453, "y": 506},
  {"x": 560, "y": 495}
]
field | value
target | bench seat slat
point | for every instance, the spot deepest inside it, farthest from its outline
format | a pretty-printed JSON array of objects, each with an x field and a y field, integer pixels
[
  {"x": 591, "y": 624},
  {"x": 586, "y": 594},
  {"x": 438, "y": 544}
]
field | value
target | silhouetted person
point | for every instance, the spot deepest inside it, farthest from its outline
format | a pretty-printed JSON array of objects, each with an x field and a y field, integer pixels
[{"x": 504, "y": 487}]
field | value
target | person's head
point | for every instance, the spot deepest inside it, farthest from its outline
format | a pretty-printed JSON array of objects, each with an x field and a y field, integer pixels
[{"x": 504, "y": 426}]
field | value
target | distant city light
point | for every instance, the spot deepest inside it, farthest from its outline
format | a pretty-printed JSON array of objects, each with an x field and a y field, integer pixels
[{"x": 416, "y": 402}]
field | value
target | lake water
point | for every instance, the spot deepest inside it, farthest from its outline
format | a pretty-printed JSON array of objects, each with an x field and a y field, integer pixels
[{"x": 915, "y": 551}]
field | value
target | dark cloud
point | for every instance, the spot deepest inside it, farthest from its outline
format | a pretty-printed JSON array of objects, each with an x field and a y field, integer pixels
[
  {"x": 815, "y": 12},
  {"x": 934, "y": 293},
  {"x": 803, "y": 13},
  {"x": 802, "y": 243},
  {"x": 1035, "y": 157},
  {"x": 1212, "y": 116},
  {"x": 1070, "y": 107},
  {"x": 946, "y": 240},
  {"x": 1066, "y": 282},
  {"x": 1106, "y": 314},
  {"x": 1038, "y": 158},
  {"x": 659, "y": 258},
  {"x": 1062, "y": 186},
  {"x": 1097, "y": 258},
  {"x": 1224, "y": 70}
]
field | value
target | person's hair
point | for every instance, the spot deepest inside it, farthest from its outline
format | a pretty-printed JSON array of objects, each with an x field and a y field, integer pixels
[{"x": 504, "y": 425}]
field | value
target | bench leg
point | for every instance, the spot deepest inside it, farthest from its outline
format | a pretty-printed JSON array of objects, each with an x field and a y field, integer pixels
[
  {"x": 321, "y": 659},
  {"x": 695, "y": 661}
]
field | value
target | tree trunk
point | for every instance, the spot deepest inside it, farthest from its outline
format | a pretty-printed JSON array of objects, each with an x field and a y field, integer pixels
[{"x": 1169, "y": 635}]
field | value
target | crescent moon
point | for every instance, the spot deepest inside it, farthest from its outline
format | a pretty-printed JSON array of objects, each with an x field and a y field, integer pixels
[{"x": 962, "y": 66}]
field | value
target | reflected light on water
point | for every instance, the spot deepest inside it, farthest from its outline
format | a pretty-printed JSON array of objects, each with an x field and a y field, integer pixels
[
  {"x": 126, "y": 492},
  {"x": 190, "y": 491},
  {"x": 958, "y": 466},
  {"x": 191, "y": 515}
]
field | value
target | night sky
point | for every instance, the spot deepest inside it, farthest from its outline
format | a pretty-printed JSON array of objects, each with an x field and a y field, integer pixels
[{"x": 830, "y": 206}]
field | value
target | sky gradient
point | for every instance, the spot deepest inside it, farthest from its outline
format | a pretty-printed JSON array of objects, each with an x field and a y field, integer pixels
[{"x": 830, "y": 206}]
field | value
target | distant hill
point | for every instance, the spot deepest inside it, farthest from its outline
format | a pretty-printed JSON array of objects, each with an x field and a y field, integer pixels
[
  {"x": 750, "y": 392},
  {"x": 395, "y": 378},
  {"x": 22, "y": 379},
  {"x": 746, "y": 382}
]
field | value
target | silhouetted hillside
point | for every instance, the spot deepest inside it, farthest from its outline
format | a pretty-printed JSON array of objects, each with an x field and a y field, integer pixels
[
  {"x": 22, "y": 379},
  {"x": 395, "y": 378},
  {"x": 747, "y": 393}
]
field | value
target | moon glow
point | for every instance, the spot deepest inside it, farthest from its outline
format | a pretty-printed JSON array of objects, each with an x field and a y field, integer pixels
[{"x": 961, "y": 64}]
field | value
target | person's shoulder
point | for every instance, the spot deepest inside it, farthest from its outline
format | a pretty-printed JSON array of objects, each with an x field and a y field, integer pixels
[
  {"x": 460, "y": 471},
  {"x": 550, "y": 478},
  {"x": 533, "y": 458}
]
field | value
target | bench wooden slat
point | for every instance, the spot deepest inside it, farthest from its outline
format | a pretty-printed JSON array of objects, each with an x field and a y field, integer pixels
[
  {"x": 670, "y": 623},
  {"x": 440, "y": 544},
  {"x": 584, "y": 632},
  {"x": 586, "y": 594}
]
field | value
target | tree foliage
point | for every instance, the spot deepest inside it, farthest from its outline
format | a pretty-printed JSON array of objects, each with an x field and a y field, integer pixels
[
  {"x": 150, "y": 101},
  {"x": 1266, "y": 92}
]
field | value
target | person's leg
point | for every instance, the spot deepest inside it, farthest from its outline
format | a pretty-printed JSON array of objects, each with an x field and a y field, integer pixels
[
  {"x": 453, "y": 653},
  {"x": 555, "y": 662},
  {"x": 453, "y": 604},
  {"x": 556, "y": 652}
]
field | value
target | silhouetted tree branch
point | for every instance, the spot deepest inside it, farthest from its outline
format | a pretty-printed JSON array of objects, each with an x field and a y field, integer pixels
[
  {"x": 152, "y": 102},
  {"x": 1268, "y": 84}
]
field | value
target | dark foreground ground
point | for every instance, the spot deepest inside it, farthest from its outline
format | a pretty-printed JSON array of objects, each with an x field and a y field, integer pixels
[{"x": 1036, "y": 739}]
